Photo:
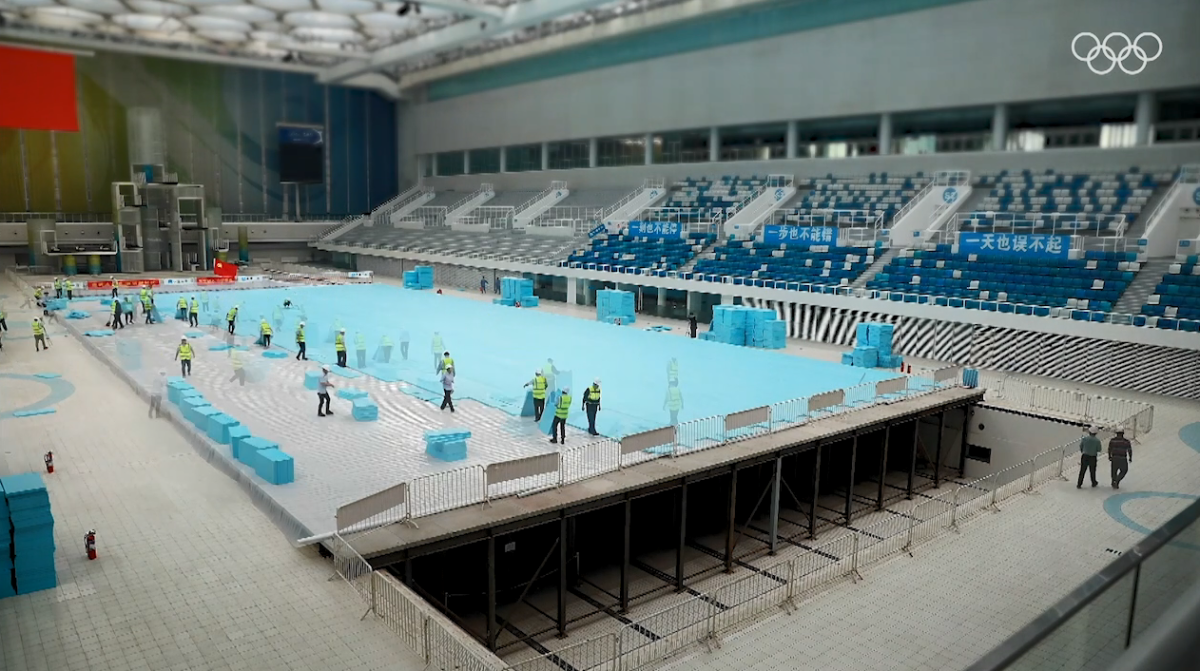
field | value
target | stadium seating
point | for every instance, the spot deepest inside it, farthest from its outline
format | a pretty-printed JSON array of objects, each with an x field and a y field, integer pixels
[
  {"x": 704, "y": 193},
  {"x": 789, "y": 262},
  {"x": 1176, "y": 299},
  {"x": 878, "y": 193},
  {"x": 497, "y": 244},
  {"x": 647, "y": 253},
  {"x": 1094, "y": 282},
  {"x": 1050, "y": 200}
]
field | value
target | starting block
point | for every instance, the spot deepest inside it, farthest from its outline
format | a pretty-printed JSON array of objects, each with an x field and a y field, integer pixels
[
  {"x": 447, "y": 444},
  {"x": 365, "y": 410}
]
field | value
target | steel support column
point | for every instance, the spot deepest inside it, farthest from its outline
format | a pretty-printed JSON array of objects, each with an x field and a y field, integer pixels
[
  {"x": 729, "y": 532},
  {"x": 887, "y": 437},
  {"x": 625, "y": 552},
  {"x": 408, "y": 568},
  {"x": 562, "y": 577},
  {"x": 912, "y": 464},
  {"x": 683, "y": 492},
  {"x": 962, "y": 450},
  {"x": 492, "y": 633},
  {"x": 937, "y": 459},
  {"x": 850, "y": 484},
  {"x": 776, "y": 485},
  {"x": 812, "y": 511}
]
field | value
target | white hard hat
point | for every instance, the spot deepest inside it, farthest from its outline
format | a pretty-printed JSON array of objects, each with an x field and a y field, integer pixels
[
  {"x": 596, "y": 382},
  {"x": 537, "y": 371},
  {"x": 343, "y": 330},
  {"x": 325, "y": 368},
  {"x": 1119, "y": 429},
  {"x": 566, "y": 390},
  {"x": 183, "y": 337},
  {"x": 302, "y": 323}
]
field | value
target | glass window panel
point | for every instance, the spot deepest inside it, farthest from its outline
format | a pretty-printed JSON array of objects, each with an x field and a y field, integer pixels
[
  {"x": 568, "y": 155},
  {"x": 484, "y": 161},
  {"x": 523, "y": 158},
  {"x": 618, "y": 151},
  {"x": 689, "y": 146},
  {"x": 450, "y": 163}
]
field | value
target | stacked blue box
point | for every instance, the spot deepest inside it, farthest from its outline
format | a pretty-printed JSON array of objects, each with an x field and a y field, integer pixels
[
  {"x": 248, "y": 449},
  {"x": 190, "y": 405},
  {"x": 447, "y": 444},
  {"x": 529, "y": 302},
  {"x": 32, "y": 547},
  {"x": 729, "y": 324},
  {"x": 411, "y": 281},
  {"x": 365, "y": 410},
  {"x": 424, "y": 276},
  {"x": 219, "y": 426},
  {"x": 970, "y": 378},
  {"x": 275, "y": 467},
  {"x": 175, "y": 386},
  {"x": 516, "y": 289},
  {"x": 847, "y": 359},
  {"x": 865, "y": 357},
  {"x": 237, "y": 435},
  {"x": 350, "y": 393},
  {"x": 612, "y": 305},
  {"x": 874, "y": 347}
]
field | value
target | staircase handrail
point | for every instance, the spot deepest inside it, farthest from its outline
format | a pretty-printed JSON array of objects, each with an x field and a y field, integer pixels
[
  {"x": 608, "y": 211},
  {"x": 336, "y": 229},
  {"x": 555, "y": 185},
  {"x": 1188, "y": 174},
  {"x": 912, "y": 202},
  {"x": 380, "y": 214},
  {"x": 484, "y": 187}
]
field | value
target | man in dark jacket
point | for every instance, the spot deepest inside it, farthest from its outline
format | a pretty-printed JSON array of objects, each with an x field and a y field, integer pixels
[
  {"x": 692, "y": 325},
  {"x": 1120, "y": 455},
  {"x": 1089, "y": 451}
]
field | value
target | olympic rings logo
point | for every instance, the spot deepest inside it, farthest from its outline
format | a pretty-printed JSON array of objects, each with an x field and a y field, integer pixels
[{"x": 1131, "y": 48}]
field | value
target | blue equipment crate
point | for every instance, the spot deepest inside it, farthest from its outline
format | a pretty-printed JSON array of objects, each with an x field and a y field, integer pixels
[
  {"x": 276, "y": 467},
  {"x": 365, "y": 410},
  {"x": 218, "y": 427}
]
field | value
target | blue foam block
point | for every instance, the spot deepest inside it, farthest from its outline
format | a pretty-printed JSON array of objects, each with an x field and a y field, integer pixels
[
  {"x": 218, "y": 427},
  {"x": 446, "y": 435},
  {"x": 277, "y": 468},
  {"x": 349, "y": 373},
  {"x": 184, "y": 394},
  {"x": 31, "y": 413},
  {"x": 98, "y": 333},
  {"x": 237, "y": 434},
  {"x": 350, "y": 393},
  {"x": 175, "y": 388},
  {"x": 190, "y": 404},
  {"x": 218, "y": 347},
  {"x": 249, "y": 448},
  {"x": 447, "y": 451},
  {"x": 275, "y": 354},
  {"x": 200, "y": 417},
  {"x": 312, "y": 379},
  {"x": 365, "y": 410},
  {"x": 847, "y": 359},
  {"x": 47, "y": 376},
  {"x": 527, "y": 404},
  {"x": 77, "y": 314}
]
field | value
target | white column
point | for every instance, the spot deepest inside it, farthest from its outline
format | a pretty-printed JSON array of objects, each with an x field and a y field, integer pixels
[
  {"x": 545, "y": 156},
  {"x": 661, "y": 303},
  {"x": 587, "y": 293},
  {"x": 885, "y": 134},
  {"x": 792, "y": 139},
  {"x": 466, "y": 162},
  {"x": 503, "y": 159},
  {"x": 572, "y": 288},
  {"x": 649, "y": 140},
  {"x": 714, "y": 144},
  {"x": 1144, "y": 117},
  {"x": 1000, "y": 127},
  {"x": 593, "y": 152},
  {"x": 726, "y": 299},
  {"x": 433, "y": 157},
  {"x": 693, "y": 302}
]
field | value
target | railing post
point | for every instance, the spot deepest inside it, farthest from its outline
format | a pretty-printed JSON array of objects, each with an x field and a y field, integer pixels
[
  {"x": 954, "y": 510},
  {"x": 855, "y": 576},
  {"x": 427, "y": 654},
  {"x": 1062, "y": 460},
  {"x": 912, "y": 520},
  {"x": 1032, "y": 472}
]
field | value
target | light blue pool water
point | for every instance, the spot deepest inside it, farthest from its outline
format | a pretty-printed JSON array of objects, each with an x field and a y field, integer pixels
[{"x": 496, "y": 350}]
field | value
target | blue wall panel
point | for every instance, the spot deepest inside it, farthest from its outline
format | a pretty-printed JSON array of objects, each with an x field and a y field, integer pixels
[
  {"x": 337, "y": 144},
  {"x": 357, "y": 160},
  {"x": 382, "y": 125}
]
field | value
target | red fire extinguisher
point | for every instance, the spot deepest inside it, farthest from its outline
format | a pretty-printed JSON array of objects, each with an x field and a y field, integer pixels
[
  {"x": 89, "y": 543},
  {"x": 49, "y": 459}
]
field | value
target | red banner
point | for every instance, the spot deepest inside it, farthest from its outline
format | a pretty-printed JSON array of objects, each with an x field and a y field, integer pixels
[
  {"x": 38, "y": 90},
  {"x": 107, "y": 284},
  {"x": 223, "y": 269},
  {"x": 215, "y": 280}
]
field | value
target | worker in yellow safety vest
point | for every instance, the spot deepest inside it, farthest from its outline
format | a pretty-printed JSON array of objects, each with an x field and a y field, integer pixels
[
  {"x": 148, "y": 307},
  {"x": 181, "y": 308},
  {"x": 360, "y": 349},
  {"x": 39, "y": 336},
  {"x": 115, "y": 322},
  {"x": 264, "y": 332},
  {"x": 339, "y": 345},
  {"x": 446, "y": 362},
  {"x": 194, "y": 312},
  {"x": 58, "y": 287},
  {"x": 539, "y": 385},
  {"x": 231, "y": 317},
  {"x": 300, "y": 344},
  {"x": 674, "y": 401},
  {"x": 591, "y": 405},
  {"x": 437, "y": 347},
  {"x": 70, "y": 287},
  {"x": 561, "y": 409},
  {"x": 673, "y": 370},
  {"x": 184, "y": 355},
  {"x": 239, "y": 367}
]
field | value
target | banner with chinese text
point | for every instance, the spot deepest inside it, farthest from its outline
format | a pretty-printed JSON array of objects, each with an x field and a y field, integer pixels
[{"x": 1020, "y": 245}]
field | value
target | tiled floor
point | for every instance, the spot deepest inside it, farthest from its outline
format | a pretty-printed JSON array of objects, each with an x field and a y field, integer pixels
[{"x": 192, "y": 576}]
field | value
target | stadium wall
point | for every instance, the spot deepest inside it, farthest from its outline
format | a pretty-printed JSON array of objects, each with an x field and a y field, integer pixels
[
  {"x": 1012, "y": 437},
  {"x": 219, "y": 127},
  {"x": 959, "y": 55},
  {"x": 1085, "y": 160}
]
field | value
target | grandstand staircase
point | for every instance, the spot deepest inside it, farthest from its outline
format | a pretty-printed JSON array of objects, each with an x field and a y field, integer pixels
[
  {"x": 880, "y": 263},
  {"x": 631, "y": 206},
  {"x": 536, "y": 206},
  {"x": 348, "y": 224},
  {"x": 744, "y": 222},
  {"x": 1137, "y": 229},
  {"x": 1142, "y": 286},
  {"x": 687, "y": 267},
  {"x": 462, "y": 208},
  {"x": 402, "y": 205}
]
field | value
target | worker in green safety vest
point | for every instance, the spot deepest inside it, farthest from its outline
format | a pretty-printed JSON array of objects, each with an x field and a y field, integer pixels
[
  {"x": 181, "y": 308},
  {"x": 674, "y": 401},
  {"x": 58, "y": 287},
  {"x": 339, "y": 345},
  {"x": 231, "y": 318},
  {"x": 39, "y": 336},
  {"x": 540, "y": 386},
  {"x": 301, "y": 354},
  {"x": 591, "y": 405},
  {"x": 148, "y": 308},
  {"x": 561, "y": 409},
  {"x": 446, "y": 362},
  {"x": 264, "y": 332},
  {"x": 184, "y": 354},
  {"x": 194, "y": 313},
  {"x": 360, "y": 349},
  {"x": 70, "y": 287}
]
